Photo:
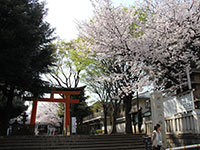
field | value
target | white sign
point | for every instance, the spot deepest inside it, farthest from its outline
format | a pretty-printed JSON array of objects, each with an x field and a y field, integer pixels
[
  {"x": 174, "y": 105},
  {"x": 73, "y": 124},
  {"x": 185, "y": 103}
]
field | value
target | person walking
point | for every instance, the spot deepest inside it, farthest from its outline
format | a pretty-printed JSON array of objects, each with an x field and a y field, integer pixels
[{"x": 156, "y": 138}]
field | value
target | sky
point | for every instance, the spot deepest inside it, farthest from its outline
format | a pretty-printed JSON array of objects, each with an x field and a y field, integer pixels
[{"x": 62, "y": 15}]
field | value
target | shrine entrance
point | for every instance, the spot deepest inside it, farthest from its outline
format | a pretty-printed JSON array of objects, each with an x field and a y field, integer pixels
[{"x": 67, "y": 99}]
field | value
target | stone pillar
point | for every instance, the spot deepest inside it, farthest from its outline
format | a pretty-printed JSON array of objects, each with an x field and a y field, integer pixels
[
  {"x": 157, "y": 113},
  {"x": 196, "y": 114}
]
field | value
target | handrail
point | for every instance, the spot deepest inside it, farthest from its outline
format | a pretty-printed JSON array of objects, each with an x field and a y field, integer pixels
[{"x": 184, "y": 147}]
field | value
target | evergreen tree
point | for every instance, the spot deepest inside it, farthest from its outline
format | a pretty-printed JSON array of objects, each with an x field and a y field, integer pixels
[{"x": 26, "y": 50}]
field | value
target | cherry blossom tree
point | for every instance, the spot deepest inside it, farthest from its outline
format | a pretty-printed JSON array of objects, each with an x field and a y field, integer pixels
[
  {"x": 155, "y": 42},
  {"x": 47, "y": 113},
  {"x": 172, "y": 34},
  {"x": 115, "y": 33},
  {"x": 106, "y": 91}
]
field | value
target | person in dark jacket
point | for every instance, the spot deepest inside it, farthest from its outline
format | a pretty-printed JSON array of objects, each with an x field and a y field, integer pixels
[
  {"x": 135, "y": 120},
  {"x": 140, "y": 120}
]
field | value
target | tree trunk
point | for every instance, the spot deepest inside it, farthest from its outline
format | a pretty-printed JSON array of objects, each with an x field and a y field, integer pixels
[
  {"x": 105, "y": 119},
  {"x": 5, "y": 124},
  {"x": 128, "y": 106},
  {"x": 114, "y": 121}
]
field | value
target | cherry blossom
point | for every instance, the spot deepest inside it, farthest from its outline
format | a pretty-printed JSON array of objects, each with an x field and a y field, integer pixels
[{"x": 172, "y": 33}]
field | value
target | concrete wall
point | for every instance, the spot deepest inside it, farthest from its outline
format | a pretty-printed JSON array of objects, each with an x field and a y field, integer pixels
[{"x": 175, "y": 140}]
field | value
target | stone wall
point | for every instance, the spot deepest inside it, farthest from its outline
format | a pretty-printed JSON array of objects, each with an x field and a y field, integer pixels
[{"x": 175, "y": 140}]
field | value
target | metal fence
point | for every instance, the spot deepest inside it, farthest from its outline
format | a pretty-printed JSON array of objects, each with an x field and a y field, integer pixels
[{"x": 188, "y": 147}]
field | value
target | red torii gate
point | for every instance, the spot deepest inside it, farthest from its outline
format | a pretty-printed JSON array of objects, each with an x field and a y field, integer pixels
[{"x": 67, "y": 100}]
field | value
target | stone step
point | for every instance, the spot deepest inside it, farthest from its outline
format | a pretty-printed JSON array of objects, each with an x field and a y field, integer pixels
[
  {"x": 67, "y": 140},
  {"x": 76, "y": 145},
  {"x": 76, "y": 142},
  {"x": 116, "y": 147},
  {"x": 72, "y": 137},
  {"x": 73, "y": 142}
]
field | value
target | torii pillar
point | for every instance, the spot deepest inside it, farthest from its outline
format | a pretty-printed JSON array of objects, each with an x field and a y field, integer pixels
[{"x": 67, "y": 100}]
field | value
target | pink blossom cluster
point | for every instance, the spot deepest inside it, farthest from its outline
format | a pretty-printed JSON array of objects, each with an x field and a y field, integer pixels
[{"x": 149, "y": 44}]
